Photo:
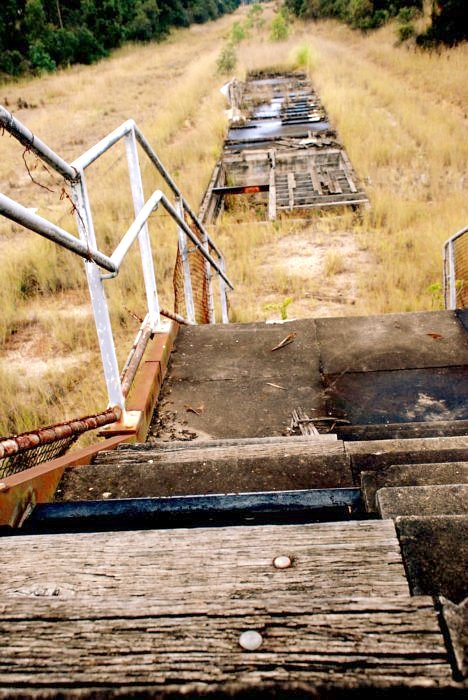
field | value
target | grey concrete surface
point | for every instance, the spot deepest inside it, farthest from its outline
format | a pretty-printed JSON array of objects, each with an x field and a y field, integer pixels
[
  {"x": 435, "y": 554},
  {"x": 446, "y": 499},
  {"x": 411, "y": 475}
]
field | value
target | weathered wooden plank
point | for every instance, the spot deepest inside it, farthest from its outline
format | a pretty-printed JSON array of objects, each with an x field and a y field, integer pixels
[
  {"x": 287, "y": 448},
  {"x": 119, "y": 642},
  {"x": 213, "y": 564}
]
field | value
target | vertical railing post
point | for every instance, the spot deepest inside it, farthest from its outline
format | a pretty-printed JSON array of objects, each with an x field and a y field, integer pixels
[
  {"x": 184, "y": 253},
  {"x": 209, "y": 280},
  {"x": 136, "y": 185},
  {"x": 98, "y": 295},
  {"x": 223, "y": 294},
  {"x": 452, "y": 276}
]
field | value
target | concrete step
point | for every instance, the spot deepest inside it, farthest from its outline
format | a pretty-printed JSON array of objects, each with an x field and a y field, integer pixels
[
  {"x": 407, "y": 430},
  {"x": 379, "y": 455},
  {"x": 228, "y": 381},
  {"x": 246, "y": 466},
  {"x": 449, "y": 499},
  {"x": 435, "y": 551},
  {"x": 456, "y": 623},
  {"x": 411, "y": 475}
]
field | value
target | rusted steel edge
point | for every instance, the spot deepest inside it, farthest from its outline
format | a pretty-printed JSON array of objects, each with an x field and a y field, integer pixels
[
  {"x": 60, "y": 431},
  {"x": 134, "y": 358},
  {"x": 146, "y": 386},
  {"x": 20, "y": 492},
  {"x": 175, "y": 317}
]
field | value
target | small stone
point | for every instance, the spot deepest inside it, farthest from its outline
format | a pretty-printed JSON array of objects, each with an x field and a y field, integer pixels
[
  {"x": 106, "y": 494},
  {"x": 250, "y": 640},
  {"x": 150, "y": 461},
  {"x": 282, "y": 562}
]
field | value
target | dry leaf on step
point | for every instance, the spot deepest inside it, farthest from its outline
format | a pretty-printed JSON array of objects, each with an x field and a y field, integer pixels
[{"x": 286, "y": 341}]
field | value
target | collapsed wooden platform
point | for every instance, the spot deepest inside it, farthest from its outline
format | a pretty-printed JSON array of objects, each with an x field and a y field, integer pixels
[{"x": 282, "y": 150}]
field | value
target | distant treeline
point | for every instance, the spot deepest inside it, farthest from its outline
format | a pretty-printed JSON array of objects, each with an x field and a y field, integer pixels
[
  {"x": 449, "y": 23},
  {"x": 40, "y": 35}
]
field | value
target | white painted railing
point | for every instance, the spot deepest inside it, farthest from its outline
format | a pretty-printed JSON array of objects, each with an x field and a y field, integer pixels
[{"x": 86, "y": 245}]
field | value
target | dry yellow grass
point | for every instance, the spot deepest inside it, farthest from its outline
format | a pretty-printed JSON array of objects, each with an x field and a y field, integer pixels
[{"x": 399, "y": 113}]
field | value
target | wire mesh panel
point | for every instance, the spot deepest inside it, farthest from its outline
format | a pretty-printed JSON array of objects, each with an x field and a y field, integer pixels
[
  {"x": 35, "y": 455},
  {"x": 461, "y": 270},
  {"x": 199, "y": 280},
  {"x": 20, "y": 452},
  {"x": 456, "y": 271}
]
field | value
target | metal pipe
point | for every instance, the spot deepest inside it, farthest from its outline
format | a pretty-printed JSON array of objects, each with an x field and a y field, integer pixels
[
  {"x": 98, "y": 296},
  {"x": 170, "y": 210},
  {"x": 145, "y": 212},
  {"x": 176, "y": 317},
  {"x": 224, "y": 300},
  {"x": 103, "y": 145},
  {"x": 135, "y": 228},
  {"x": 167, "y": 178},
  {"x": 135, "y": 356},
  {"x": 136, "y": 186},
  {"x": 25, "y": 217},
  {"x": 59, "y": 431},
  {"x": 28, "y": 139}
]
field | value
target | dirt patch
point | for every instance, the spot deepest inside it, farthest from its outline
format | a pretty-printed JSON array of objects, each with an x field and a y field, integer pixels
[{"x": 322, "y": 270}]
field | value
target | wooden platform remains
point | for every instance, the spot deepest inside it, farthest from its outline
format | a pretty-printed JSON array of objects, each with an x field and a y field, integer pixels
[
  {"x": 165, "y": 611},
  {"x": 282, "y": 150}
]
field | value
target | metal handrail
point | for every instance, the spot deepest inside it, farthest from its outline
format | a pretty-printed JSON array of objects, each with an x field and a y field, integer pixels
[
  {"x": 25, "y": 217},
  {"x": 450, "y": 287},
  {"x": 86, "y": 246}
]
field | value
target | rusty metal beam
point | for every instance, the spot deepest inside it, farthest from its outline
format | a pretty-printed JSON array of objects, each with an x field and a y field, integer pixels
[
  {"x": 20, "y": 492},
  {"x": 241, "y": 189},
  {"x": 60, "y": 431}
]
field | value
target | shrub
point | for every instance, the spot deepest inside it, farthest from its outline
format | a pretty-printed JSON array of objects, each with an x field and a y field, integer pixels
[
  {"x": 238, "y": 33},
  {"x": 279, "y": 28},
  {"x": 39, "y": 58},
  {"x": 227, "y": 59},
  {"x": 406, "y": 31}
]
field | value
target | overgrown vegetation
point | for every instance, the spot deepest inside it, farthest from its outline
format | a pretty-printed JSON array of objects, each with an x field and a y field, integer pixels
[
  {"x": 448, "y": 17},
  {"x": 254, "y": 20},
  {"x": 41, "y": 35},
  {"x": 399, "y": 113}
]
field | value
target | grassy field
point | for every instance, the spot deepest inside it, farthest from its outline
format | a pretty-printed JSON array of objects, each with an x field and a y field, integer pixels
[{"x": 399, "y": 113}]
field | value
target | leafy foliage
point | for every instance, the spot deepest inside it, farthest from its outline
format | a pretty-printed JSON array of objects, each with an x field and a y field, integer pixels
[
  {"x": 279, "y": 27},
  {"x": 40, "y": 35},
  {"x": 448, "y": 17},
  {"x": 449, "y": 24}
]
